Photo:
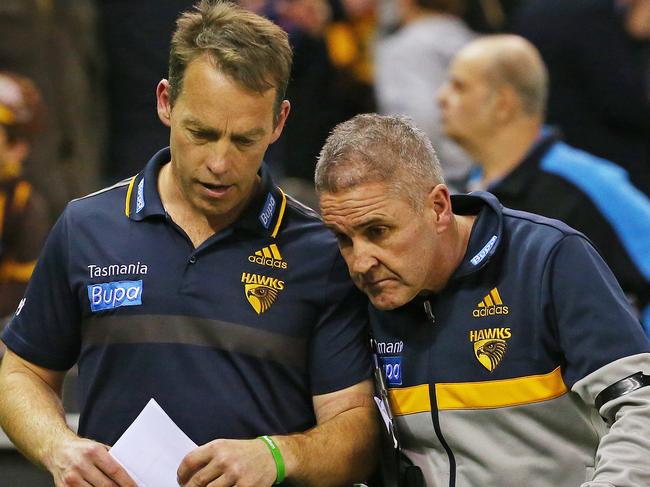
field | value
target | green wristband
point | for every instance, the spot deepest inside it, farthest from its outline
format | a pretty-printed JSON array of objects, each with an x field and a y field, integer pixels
[{"x": 277, "y": 458}]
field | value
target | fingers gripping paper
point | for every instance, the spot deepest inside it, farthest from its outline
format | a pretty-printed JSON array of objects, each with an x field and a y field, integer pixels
[{"x": 151, "y": 449}]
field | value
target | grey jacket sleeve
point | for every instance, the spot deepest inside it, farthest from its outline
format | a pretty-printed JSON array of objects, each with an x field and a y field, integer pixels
[{"x": 622, "y": 458}]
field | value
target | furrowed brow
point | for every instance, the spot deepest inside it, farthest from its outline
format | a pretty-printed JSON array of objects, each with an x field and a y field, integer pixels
[
  {"x": 250, "y": 134},
  {"x": 368, "y": 223}
]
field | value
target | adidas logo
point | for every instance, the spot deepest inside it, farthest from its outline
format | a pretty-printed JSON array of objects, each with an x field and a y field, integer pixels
[
  {"x": 268, "y": 256},
  {"x": 490, "y": 305}
]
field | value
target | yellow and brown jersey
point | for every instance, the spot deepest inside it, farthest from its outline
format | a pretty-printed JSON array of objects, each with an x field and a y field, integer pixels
[{"x": 23, "y": 227}]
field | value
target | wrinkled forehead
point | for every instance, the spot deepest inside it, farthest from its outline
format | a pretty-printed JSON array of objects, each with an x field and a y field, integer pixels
[{"x": 356, "y": 206}]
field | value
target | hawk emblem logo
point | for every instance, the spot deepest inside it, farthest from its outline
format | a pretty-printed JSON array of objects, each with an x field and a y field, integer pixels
[
  {"x": 490, "y": 352},
  {"x": 261, "y": 291},
  {"x": 260, "y": 297},
  {"x": 490, "y": 346}
]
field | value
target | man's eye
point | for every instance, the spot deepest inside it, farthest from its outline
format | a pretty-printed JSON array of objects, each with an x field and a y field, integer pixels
[
  {"x": 198, "y": 134},
  {"x": 244, "y": 142},
  {"x": 377, "y": 232},
  {"x": 342, "y": 239}
]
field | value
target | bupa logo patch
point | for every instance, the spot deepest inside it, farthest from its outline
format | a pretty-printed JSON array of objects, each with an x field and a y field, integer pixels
[
  {"x": 478, "y": 258},
  {"x": 268, "y": 211},
  {"x": 109, "y": 295},
  {"x": 392, "y": 370}
]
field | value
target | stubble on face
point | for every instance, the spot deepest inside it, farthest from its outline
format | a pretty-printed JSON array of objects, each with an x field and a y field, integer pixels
[
  {"x": 384, "y": 241},
  {"x": 219, "y": 133}
]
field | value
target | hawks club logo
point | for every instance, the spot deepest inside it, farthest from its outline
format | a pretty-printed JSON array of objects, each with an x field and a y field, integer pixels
[
  {"x": 261, "y": 291},
  {"x": 490, "y": 346}
]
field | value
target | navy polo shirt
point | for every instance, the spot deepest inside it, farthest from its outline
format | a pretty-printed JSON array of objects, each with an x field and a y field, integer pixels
[{"x": 232, "y": 338}]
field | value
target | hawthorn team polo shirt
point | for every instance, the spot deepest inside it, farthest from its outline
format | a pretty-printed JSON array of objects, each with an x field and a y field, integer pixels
[{"x": 232, "y": 338}]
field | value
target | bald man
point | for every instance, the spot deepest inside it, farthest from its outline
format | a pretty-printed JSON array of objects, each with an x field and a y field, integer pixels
[{"x": 493, "y": 105}]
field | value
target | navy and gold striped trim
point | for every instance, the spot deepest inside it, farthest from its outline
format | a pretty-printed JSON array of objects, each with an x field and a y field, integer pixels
[
  {"x": 283, "y": 207},
  {"x": 127, "y": 204},
  {"x": 249, "y": 217}
]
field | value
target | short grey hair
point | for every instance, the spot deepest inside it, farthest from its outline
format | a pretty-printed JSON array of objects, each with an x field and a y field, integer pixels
[{"x": 372, "y": 148}]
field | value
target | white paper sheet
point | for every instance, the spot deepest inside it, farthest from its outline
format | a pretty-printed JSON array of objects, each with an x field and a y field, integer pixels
[
  {"x": 388, "y": 422},
  {"x": 151, "y": 449}
]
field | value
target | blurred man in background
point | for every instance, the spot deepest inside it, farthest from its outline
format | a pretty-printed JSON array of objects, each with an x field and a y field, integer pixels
[
  {"x": 24, "y": 219},
  {"x": 412, "y": 63},
  {"x": 493, "y": 105}
]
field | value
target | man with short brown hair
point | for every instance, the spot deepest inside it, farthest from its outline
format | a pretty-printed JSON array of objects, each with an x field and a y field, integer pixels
[{"x": 201, "y": 284}]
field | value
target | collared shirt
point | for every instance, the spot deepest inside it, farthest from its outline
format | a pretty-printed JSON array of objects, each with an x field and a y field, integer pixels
[{"x": 232, "y": 338}]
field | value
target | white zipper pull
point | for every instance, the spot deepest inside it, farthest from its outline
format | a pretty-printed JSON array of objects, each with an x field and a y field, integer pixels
[{"x": 429, "y": 311}]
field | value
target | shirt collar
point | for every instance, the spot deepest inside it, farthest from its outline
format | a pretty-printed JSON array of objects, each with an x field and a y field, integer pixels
[
  {"x": 263, "y": 215},
  {"x": 520, "y": 179},
  {"x": 484, "y": 241},
  {"x": 486, "y": 234},
  {"x": 265, "y": 212},
  {"x": 142, "y": 197}
]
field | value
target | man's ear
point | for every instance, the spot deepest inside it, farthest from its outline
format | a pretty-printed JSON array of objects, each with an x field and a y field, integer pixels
[
  {"x": 285, "y": 108},
  {"x": 163, "y": 103},
  {"x": 508, "y": 103},
  {"x": 439, "y": 206}
]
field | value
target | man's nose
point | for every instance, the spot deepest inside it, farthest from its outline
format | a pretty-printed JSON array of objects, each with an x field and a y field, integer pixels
[
  {"x": 218, "y": 161},
  {"x": 363, "y": 259}
]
